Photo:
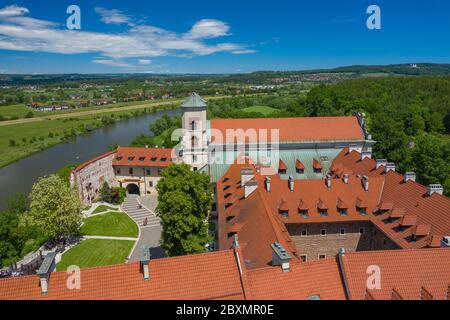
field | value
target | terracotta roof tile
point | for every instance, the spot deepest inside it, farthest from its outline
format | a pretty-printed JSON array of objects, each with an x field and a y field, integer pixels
[
  {"x": 145, "y": 157},
  {"x": 398, "y": 195},
  {"x": 406, "y": 271},
  {"x": 85, "y": 164},
  {"x": 297, "y": 129},
  {"x": 304, "y": 280},
  {"x": 202, "y": 276}
]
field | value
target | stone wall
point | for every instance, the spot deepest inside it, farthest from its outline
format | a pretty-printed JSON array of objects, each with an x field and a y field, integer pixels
[
  {"x": 314, "y": 244},
  {"x": 89, "y": 177},
  {"x": 146, "y": 178}
]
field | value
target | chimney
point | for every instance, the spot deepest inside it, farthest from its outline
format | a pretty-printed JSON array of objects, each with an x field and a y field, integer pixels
[
  {"x": 409, "y": 176},
  {"x": 365, "y": 182},
  {"x": 249, "y": 187},
  {"x": 145, "y": 261},
  {"x": 435, "y": 188},
  {"x": 341, "y": 252},
  {"x": 246, "y": 175},
  {"x": 235, "y": 241},
  {"x": 46, "y": 268},
  {"x": 328, "y": 181},
  {"x": 366, "y": 154},
  {"x": 353, "y": 147},
  {"x": 267, "y": 183},
  {"x": 381, "y": 162},
  {"x": 345, "y": 178},
  {"x": 390, "y": 166},
  {"x": 280, "y": 257},
  {"x": 291, "y": 183}
]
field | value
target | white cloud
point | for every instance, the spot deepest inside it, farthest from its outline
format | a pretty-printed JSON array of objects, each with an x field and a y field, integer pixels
[
  {"x": 207, "y": 29},
  {"x": 113, "y": 63},
  {"x": 112, "y": 16},
  {"x": 144, "y": 62},
  {"x": 13, "y": 10},
  {"x": 21, "y": 33}
]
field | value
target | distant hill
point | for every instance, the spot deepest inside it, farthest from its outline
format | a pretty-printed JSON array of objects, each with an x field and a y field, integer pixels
[{"x": 348, "y": 72}]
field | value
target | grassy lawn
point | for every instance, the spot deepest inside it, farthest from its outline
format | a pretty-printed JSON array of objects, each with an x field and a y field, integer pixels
[
  {"x": 95, "y": 252},
  {"x": 23, "y": 137},
  {"x": 102, "y": 208},
  {"x": 265, "y": 110},
  {"x": 114, "y": 224}
]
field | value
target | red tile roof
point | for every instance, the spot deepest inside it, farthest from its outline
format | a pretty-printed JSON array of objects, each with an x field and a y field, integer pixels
[
  {"x": 405, "y": 271},
  {"x": 321, "y": 278},
  {"x": 212, "y": 275},
  {"x": 84, "y": 165},
  {"x": 147, "y": 157},
  {"x": 402, "y": 199},
  {"x": 297, "y": 129}
]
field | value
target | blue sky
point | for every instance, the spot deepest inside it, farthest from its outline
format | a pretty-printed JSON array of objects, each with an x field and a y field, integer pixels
[{"x": 218, "y": 36}]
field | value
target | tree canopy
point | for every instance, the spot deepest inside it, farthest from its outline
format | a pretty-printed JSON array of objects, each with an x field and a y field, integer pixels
[
  {"x": 55, "y": 207},
  {"x": 184, "y": 201}
]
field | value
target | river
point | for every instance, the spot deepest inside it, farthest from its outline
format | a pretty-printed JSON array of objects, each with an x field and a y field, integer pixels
[{"x": 19, "y": 177}]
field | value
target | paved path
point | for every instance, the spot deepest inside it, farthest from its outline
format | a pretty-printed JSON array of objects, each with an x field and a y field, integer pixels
[
  {"x": 139, "y": 213},
  {"x": 151, "y": 233}
]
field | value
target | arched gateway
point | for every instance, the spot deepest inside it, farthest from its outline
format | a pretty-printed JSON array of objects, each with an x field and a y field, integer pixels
[{"x": 132, "y": 188}]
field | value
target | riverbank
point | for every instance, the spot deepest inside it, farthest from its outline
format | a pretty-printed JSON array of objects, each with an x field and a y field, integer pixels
[{"x": 24, "y": 137}]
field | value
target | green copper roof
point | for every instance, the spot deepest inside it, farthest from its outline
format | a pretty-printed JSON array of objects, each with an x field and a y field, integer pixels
[
  {"x": 194, "y": 101},
  {"x": 289, "y": 157}
]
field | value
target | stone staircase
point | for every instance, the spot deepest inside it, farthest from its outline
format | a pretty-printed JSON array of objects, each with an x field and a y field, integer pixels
[{"x": 131, "y": 207}]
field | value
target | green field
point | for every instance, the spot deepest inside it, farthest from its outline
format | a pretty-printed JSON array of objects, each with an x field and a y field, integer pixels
[
  {"x": 265, "y": 110},
  {"x": 23, "y": 137},
  {"x": 96, "y": 252},
  {"x": 114, "y": 224}
]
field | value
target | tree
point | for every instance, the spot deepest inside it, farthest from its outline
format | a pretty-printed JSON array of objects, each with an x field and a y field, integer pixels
[
  {"x": 392, "y": 142},
  {"x": 184, "y": 201},
  {"x": 54, "y": 207}
]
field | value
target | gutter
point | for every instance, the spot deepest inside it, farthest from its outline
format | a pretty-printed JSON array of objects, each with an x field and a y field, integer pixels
[{"x": 343, "y": 274}]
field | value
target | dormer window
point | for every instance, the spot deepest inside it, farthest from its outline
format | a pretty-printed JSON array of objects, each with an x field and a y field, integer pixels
[
  {"x": 119, "y": 158},
  {"x": 342, "y": 207},
  {"x": 141, "y": 158},
  {"x": 299, "y": 167},
  {"x": 317, "y": 166},
  {"x": 153, "y": 158},
  {"x": 130, "y": 158},
  {"x": 283, "y": 209},
  {"x": 163, "y": 159},
  {"x": 322, "y": 208},
  {"x": 362, "y": 211},
  {"x": 304, "y": 213},
  {"x": 282, "y": 168}
]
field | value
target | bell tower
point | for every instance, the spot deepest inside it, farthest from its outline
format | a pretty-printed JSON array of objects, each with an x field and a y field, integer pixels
[{"x": 195, "y": 150}]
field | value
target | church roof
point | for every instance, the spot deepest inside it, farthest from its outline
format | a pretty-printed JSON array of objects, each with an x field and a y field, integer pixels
[{"x": 194, "y": 101}]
